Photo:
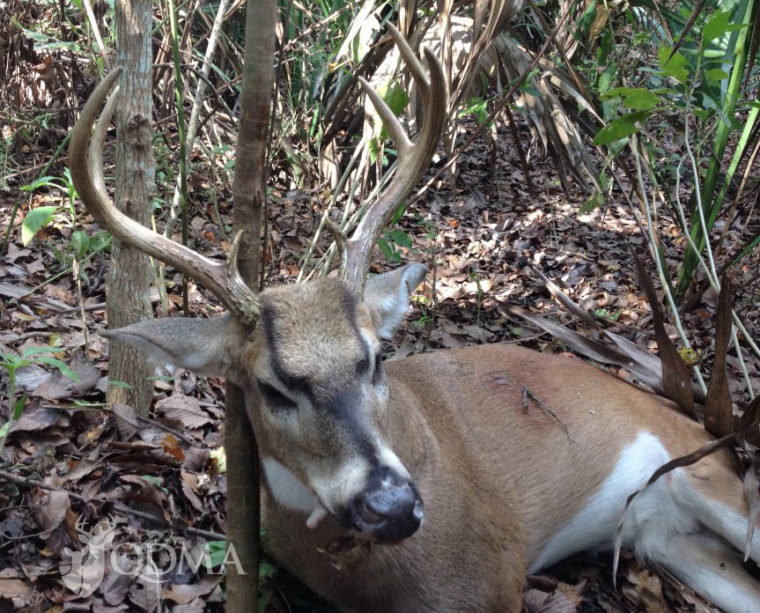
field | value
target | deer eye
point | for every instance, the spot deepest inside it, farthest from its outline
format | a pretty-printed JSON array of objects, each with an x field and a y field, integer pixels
[
  {"x": 275, "y": 399},
  {"x": 377, "y": 374}
]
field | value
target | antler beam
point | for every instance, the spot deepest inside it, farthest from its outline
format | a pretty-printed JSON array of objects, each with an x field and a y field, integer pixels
[
  {"x": 413, "y": 157},
  {"x": 86, "y": 163}
]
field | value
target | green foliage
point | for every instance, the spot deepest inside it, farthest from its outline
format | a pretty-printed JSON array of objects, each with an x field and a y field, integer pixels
[
  {"x": 478, "y": 108},
  {"x": 80, "y": 246},
  {"x": 35, "y": 220},
  {"x": 395, "y": 96},
  {"x": 392, "y": 243},
  {"x": 673, "y": 64},
  {"x": 619, "y": 128},
  {"x": 11, "y": 362},
  {"x": 634, "y": 98},
  {"x": 693, "y": 80},
  {"x": 608, "y": 315}
]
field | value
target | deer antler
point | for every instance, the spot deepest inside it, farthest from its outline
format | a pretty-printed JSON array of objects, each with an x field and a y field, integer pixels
[
  {"x": 86, "y": 163},
  {"x": 413, "y": 158}
]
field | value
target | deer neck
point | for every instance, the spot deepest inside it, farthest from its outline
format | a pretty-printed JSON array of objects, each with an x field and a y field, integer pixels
[{"x": 407, "y": 431}]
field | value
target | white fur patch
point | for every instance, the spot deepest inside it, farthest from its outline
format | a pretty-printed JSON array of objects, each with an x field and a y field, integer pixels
[
  {"x": 339, "y": 488},
  {"x": 665, "y": 523},
  {"x": 393, "y": 309},
  {"x": 287, "y": 489},
  {"x": 651, "y": 520},
  {"x": 391, "y": 460},
  {"x": 711, "y": 568}
]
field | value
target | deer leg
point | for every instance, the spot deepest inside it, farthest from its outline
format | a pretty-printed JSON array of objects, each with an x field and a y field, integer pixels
[{"x": 711, "y": 567}]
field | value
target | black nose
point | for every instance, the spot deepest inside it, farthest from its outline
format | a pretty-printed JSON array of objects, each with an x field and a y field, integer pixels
[{"x": 390, "y": 512}]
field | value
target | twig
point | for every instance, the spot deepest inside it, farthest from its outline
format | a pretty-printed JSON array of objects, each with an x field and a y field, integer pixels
[
  {"x": 711, "y": 272},
  {"x": 96, "y": 33},
  {"x": 658, "y": 262},
  {"x": 192, "y": 128},
  {"x": 529, "y": 395}
]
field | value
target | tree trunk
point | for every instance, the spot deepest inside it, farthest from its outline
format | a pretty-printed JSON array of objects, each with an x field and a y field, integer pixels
[
  {"x": 249, "y": 192},
  {"x": 128, "y": 280}
]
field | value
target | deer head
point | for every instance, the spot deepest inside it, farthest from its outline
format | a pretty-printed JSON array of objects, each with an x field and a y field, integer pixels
[{"x": 309, "y": 352}]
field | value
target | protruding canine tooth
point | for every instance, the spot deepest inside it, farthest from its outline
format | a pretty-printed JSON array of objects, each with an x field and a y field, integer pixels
[{"x": 317, "y": 515}]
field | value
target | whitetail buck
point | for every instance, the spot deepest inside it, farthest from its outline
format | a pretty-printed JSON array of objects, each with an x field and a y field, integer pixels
[{"x": 351, "y": 447}]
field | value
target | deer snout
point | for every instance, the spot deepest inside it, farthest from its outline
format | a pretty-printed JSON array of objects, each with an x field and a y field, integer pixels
[{"x": 390, "y": 512}]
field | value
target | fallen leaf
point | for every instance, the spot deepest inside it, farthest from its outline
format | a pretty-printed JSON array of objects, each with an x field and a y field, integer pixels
[
  {"x": 185, "y": 409},
  {"x": 50, "y": 508}
]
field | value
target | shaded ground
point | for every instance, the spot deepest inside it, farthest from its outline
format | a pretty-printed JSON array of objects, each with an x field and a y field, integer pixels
[{"x": 72, "y": 461}]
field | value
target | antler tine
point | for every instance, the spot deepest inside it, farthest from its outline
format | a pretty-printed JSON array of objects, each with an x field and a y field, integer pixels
[
  {"x": 86, "y": 163},
  {"x": 413, "y": 157}
]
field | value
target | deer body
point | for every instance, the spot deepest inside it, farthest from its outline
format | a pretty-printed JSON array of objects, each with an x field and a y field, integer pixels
[
  {"x": 503, "y": 481},
  {"x": 520, "y": 458},
  {"x": 436, "y": 482}
]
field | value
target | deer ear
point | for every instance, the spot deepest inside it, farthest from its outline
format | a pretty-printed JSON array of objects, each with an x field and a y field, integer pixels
[
  {"x": 386, "y": 297},
  {"x": 200, "y": 345}
]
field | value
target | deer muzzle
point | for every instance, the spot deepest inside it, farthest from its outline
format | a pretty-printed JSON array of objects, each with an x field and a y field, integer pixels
[{"x": 390, "y": 512}]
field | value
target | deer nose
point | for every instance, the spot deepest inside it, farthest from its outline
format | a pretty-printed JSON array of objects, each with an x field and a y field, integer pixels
[{"x": 389, "y": 513}]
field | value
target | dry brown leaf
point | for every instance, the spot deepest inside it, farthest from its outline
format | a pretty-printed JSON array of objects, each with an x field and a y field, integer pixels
[
  {"x": 675, "y": 374},
  {"x": 127, "y": 421},
  {"x": 34, "y": 419},
  {"x": 645, "y": 590},
  {"x": 195, "y": 459},
  {"x": 115, "y": 585},
  {"x": 189, "y": 488},
  {"x": 50, "y": 508},
  {"x": 196, "y": 606},
  {"x": 144, "y": 594},
  {"x": 536, "y": 601},
  {"x": 719, "y": 412},
  {"x": 185, "y": 409},
  {"x": 170, "y": 444}
]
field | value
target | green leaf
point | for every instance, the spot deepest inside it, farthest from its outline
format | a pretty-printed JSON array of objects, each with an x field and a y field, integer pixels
[
  {"x": 605, "y": 314},
  {"x": 35, "y": 220},
  {"x": 267, "y": 570},
  {"x": 716, "y": 74},
  {"x": 121, "y": 384},
  {"x": 636, "y": 98},
  {"x": 46, "y": 181},
  {"x": 19, "y": 407},
  {"x": 374, "y": 149},
  {"x": 65, "y": 370},
  {"x": 388, "y": 252},
  {"x": 676, "y": 67},
  {"x": 80, "y": 242},
  {"x": 216, "y": 552},
  {"x": 707, "y": 103},
  {"x": 718, "y": 25},
  {"x": 32, "y": 351},
  {"x": 401, "y": 238},
  {"x": 396, "y": 98},
  {"x": 100, "y": 241},
  {"x": 476, "y": 107},
  {"x": 592, "y": 203},
  {"x": 619, "y": 128}
]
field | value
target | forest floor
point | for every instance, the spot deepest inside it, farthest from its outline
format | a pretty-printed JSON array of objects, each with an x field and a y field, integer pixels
[{"x": 77, "y": 472}]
